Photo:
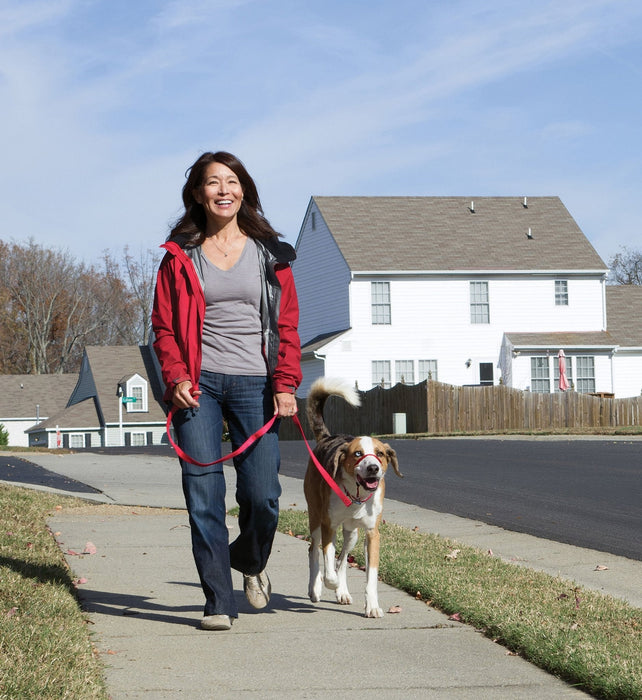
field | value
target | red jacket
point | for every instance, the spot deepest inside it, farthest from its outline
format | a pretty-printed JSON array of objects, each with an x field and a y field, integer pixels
[{"x": 179, "y": 311}]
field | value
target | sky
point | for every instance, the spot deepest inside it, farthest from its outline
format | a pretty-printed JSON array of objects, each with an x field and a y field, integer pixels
[{"x": 104, "y": 104}]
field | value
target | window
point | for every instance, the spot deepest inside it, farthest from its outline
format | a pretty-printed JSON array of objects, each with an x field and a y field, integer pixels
[
  {"x": 135, "y": 388},
  {"x": 540, "y": 381},
  {"x": 556, "y": 373},
  {"x": 585, "y": 369},
  {"x": 136, "y": 391},
  {"x": 380, "y": 292},
  {"x": 561, "y": 293},
  {"x": 381, "y": 373},
  {"x": 427, "y": 369},
  {"x": 138, "y": 440},
  {"x": 76, "y": 440},
  {"x": 486, "y": 373},
  {"x": 479, "y": 306},
  {"x": 405, "y": 371}
]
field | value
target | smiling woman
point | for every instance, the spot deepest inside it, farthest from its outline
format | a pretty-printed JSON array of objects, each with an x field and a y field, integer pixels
[{"x": 225, "y": 319}]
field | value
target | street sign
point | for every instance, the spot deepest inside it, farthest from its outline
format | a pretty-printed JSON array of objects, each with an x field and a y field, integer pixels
[{"x": 129, "y": 399}]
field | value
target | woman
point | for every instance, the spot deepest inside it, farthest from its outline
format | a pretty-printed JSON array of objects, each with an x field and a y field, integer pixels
[{"x": 225, "y": 322}]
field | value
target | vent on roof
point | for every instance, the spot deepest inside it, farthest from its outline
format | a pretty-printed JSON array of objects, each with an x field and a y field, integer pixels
[
  {"x": 525, "y": 202},
  {"x": 529, "y": 233},
  {"x": 472, "y": 207}
]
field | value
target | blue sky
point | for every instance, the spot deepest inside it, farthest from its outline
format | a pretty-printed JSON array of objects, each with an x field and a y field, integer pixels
[{"x": 105, "y": 103}]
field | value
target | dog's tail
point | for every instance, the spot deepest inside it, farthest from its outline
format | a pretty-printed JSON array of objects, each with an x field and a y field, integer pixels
[{"x": 319, "y": 393}]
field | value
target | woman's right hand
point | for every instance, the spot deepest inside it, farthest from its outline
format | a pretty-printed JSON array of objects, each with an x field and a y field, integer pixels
[{"x": 184, "y": 397}]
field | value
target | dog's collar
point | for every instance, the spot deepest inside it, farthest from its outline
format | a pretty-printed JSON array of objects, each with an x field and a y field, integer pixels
[{"x": 356, "y": 499}]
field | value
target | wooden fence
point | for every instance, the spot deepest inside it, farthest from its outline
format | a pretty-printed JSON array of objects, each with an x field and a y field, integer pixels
[{"x": 433, "y": 407}]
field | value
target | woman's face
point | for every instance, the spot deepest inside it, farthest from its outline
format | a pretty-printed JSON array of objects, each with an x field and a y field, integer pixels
[{"x": 220, "y": 194}]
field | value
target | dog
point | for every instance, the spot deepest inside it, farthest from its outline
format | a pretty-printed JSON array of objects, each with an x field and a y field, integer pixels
[{"x": 358, "y": 465}]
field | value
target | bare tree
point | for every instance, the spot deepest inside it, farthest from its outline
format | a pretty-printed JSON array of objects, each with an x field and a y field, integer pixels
[
  {"x": 626, "y": 267},
  {"x": 60, "y": 305},
  {"x": 140, "y": 276}
]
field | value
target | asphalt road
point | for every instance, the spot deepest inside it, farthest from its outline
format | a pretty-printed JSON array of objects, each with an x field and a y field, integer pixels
[{"x": 582, "y": 492}]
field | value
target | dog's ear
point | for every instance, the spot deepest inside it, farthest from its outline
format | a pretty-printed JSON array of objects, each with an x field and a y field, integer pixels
[
  {"x": 392, "y": 459},
  {"x": 339, "y": 457}
]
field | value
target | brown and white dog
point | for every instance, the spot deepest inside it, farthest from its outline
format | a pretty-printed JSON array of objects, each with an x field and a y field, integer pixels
[{"x": 358, "y": 465}]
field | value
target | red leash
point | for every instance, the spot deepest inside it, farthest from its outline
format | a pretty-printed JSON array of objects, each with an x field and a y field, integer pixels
[{"x": 250, "y": 441}]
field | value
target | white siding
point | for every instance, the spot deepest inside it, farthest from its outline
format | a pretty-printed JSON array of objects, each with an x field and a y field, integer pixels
[
  {"x": 627, "y": 374},
  {"x": 430, "y": 319},
  {"x": 322, "y": 280}
]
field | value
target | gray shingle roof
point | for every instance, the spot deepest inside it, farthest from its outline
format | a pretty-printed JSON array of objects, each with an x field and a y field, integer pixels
[
  {"x": 20, "y": 393},
  {"x": 624, "y": 314},
  {"x": 441, "y": 233},
  {"x": 557, "y": 340}
]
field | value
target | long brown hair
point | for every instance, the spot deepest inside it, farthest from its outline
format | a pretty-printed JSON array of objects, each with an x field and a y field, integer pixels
[{"x": 193, "y": 222}]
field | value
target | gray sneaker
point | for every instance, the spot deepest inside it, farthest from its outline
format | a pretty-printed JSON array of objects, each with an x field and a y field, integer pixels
[
  {"x": 216, "y": 622},
  {"x": 257, "y": 589}
]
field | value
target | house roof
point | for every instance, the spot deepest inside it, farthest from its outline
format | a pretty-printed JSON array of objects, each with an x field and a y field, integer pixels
[
  {"x": 21, "y": 393},
  {"x": 320, "y": 341},
  {"x": 554, "y": 341},
  {"x": 624, "y": 314},
  {"x": 443, "y": 234},
  {"x": 94, "y": 395}
]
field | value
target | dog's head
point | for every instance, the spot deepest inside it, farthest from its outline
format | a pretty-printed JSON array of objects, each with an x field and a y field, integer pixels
[{"x": 364, "y": 462}]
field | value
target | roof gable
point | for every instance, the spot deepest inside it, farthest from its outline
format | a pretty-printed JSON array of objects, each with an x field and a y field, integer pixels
[{"x": 457, "y": 233}]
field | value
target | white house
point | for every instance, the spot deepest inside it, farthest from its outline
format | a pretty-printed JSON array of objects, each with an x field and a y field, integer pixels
[
  {"x": 463, "y": 290},
  {"x": 116, "y": 400}
]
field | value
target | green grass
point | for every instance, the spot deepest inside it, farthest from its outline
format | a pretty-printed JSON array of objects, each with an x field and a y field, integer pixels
[
  {"x": 45, "y": 645},
  {"x": 591, "y": 640}
]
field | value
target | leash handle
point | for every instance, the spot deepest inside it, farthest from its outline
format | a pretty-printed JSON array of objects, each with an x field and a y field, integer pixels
[
  {"x": 329, "y": 480},
  {"x": 183, "y": 455}
]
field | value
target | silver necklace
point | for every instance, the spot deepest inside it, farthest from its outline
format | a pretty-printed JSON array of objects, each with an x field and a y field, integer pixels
[{"x": 219, "y": 247}]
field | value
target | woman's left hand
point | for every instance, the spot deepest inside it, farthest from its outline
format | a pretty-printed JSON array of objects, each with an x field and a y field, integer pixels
[{"x": 284, "y": 404}]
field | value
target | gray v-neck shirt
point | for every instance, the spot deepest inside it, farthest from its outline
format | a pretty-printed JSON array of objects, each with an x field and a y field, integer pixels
[{"x": 232, "y": 337}]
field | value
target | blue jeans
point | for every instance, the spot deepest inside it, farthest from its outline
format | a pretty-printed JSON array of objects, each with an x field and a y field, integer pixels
[{"x": 246, "y": 403}]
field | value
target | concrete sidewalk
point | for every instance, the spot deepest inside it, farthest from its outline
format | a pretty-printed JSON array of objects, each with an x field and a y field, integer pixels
[{"x": 144, "y": 599}]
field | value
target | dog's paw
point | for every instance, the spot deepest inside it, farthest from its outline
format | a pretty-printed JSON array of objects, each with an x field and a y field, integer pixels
[
  {"x": 343, "y": 597},
  {"x": 374, "y": 612}
]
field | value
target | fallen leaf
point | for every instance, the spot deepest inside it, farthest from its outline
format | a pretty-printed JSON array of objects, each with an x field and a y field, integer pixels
[
  {"x": 395, "y": 609},
  {"x": 601, "y": 567},
  {"x": 58, "y": 507},
  {"x": 29, "y": 545},
  {"x": 289, "y": 532},
  {"x": 511, "y": 653},
  {"x": 111, "y": 651},
  {"x": 11, "y": 612},
  {"x": 574, "y": 626},
  {"x": 90, "y": 548},
  {"x": 453, "y": 554},
  {"x": 418, "y": 595},
  {"x": 72, "y": 553},
  {"x": 80, "y": 581},
  {"x": 57, "y": 534},
  {"x": 490, "y": 552},
  {"x": 415, "y": 528},
  {"x": 456, "y": 617}
]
